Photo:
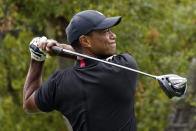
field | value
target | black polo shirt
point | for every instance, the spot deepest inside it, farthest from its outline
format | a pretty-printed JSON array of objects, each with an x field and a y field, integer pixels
[{"x": 94, "y": 96}]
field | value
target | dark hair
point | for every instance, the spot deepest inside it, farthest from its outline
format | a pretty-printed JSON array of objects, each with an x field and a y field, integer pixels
[{"x": 76, "y": 45}]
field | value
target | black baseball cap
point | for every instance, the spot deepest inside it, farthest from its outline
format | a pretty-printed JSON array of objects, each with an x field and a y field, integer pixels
[{"x": 87, "y": 21}]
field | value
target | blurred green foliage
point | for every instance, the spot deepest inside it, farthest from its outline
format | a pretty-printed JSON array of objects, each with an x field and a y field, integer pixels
[{"x": 160, "y": 34}]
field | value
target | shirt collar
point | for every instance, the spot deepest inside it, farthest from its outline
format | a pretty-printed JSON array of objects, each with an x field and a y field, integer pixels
[{"x": 84, "y": 62}]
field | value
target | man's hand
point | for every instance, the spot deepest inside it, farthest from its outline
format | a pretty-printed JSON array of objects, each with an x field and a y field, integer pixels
[
  {"x": 37, "y": 53},
  {"x": 41, "y": 46},
  {"x": 46, "y": 46}
]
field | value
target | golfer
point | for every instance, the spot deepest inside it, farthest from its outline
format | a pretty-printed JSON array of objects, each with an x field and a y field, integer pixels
[{"x": 92, "y": 95}]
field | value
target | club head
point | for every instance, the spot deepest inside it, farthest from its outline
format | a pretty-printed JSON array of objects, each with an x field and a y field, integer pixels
[{"x": 173, "y": 85}]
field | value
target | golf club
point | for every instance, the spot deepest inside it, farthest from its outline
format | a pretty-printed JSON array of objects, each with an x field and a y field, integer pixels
[{"x": 173, "y": 85}]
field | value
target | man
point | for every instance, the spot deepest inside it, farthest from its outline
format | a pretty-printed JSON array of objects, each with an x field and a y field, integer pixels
[{"x": 93, "y": 96}]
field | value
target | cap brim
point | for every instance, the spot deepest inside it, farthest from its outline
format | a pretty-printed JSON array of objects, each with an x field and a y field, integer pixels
[{"x": 108, "y": 23}]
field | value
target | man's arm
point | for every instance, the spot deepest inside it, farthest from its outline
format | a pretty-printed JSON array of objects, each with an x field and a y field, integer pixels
[
  {"x": 33, "y": 82},
  {"x": 34, "y": 76}
]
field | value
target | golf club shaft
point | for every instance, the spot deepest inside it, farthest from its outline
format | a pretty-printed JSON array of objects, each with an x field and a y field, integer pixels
[{"x": 60, "y": 50}]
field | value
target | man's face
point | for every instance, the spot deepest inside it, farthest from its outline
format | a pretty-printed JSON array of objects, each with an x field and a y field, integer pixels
[{"x": 102, "y": 43}]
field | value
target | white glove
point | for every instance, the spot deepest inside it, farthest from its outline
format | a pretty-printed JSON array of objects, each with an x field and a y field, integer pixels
[{"x": 37, "y": 53}]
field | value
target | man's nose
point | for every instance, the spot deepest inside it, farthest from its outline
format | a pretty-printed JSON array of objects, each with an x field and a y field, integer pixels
[{"x": 112, "y": 35}]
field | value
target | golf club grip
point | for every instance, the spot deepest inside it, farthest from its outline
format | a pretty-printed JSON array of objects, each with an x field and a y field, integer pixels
[
  {"x": 63, "y": 52},
  {"x": 57, "y": 49}
]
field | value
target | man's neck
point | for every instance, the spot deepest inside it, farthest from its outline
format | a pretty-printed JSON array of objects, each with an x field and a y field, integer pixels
[{"x": 89, "y": 53}]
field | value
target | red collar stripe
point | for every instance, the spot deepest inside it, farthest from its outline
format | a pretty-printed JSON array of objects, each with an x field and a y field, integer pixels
[{"x": 82, "y": 63}]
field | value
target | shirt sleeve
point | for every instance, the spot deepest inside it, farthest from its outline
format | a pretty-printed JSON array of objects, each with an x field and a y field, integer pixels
[
  {"x": 124, "y": 59},
  {"x": 45, "y": 95}
]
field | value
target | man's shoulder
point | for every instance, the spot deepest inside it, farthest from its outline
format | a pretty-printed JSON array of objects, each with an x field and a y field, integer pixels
[
  {"x": 57, "y": 75},
  {"x": 126, "y": 56},
  {"x": 125, "y": 59}
]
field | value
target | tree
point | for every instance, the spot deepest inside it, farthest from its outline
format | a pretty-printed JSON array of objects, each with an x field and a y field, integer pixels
[{"x": 183, "y": 113}]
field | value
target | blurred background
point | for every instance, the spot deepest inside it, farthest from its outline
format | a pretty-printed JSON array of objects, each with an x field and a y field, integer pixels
[{"x": 160, "y": 34}]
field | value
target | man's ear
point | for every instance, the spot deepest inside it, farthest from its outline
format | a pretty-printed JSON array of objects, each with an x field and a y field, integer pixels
[{"x": 84, "y": 41}]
